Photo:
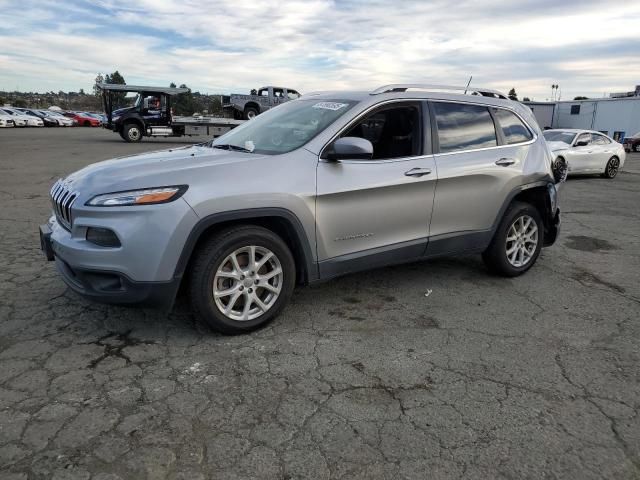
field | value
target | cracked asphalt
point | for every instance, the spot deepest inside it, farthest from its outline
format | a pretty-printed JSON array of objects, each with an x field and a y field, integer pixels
[{"x": 364, "y": 377}]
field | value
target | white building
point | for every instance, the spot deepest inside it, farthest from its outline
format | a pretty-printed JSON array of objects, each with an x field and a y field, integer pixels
[{"x": 616, "y": 117}]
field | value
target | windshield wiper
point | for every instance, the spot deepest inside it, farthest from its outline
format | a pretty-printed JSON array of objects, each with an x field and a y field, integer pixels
[{"x": 230, "y": 146}]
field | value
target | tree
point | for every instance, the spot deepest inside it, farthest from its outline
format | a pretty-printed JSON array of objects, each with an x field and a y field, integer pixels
[
  {"x": 81, "y": 92},
  {"x": 512, "y": 94},
  {"x": 172, "y": 85},
  {"x": 526, "y": 99},
  {"x": 183, "y": 103},
  {"x": 580, "y": 97},
  {"x": 2, "y": 101},
  {"x": 116, "y": 79},
  {"x": 99, "y": 79}
]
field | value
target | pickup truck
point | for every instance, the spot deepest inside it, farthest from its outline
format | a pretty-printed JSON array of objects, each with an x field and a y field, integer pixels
[{"x": 245, "y": 107}]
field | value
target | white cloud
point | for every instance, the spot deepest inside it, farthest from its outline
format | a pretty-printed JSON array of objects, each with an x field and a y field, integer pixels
[{"x": 321, "y": 44}]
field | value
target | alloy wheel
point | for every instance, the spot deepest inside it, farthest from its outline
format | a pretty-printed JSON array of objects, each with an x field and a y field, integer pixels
[
  {"x": 247, "y": 283},
  {"x": 612, "y": 167},
  {"x": 522, "y": 241}
]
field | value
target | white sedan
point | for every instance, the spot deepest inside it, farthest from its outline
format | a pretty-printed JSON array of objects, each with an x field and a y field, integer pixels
[
  {"x": 586, "y": 151},
  {"x": 22, "y": 119},
  {"x": 6, "y": 121}
]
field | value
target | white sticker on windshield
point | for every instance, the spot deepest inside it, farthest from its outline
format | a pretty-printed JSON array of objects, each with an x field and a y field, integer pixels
[
  {"x": 330, "y": 105},
  {"x": 249, "y": 145}
]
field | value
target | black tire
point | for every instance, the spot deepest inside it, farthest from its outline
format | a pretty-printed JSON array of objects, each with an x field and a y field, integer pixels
[
  {"x": 611, "y": 170},
  {"x": 560, "y": 169},
  {"x": 210, "y": 256},
  {"x": 132, "y": 133},
  {"x": 250, "y": 112},
  {"x": 495, "y": 256},
  {"x": 86, "y": 123}
]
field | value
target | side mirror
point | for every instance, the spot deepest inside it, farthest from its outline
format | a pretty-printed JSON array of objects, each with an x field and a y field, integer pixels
[
  {"x": 581, "y": 143},
  {"x": 351, "y": 148}
]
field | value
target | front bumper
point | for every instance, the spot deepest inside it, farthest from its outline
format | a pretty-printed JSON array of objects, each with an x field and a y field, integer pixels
[{"x": 140, "y": 271}]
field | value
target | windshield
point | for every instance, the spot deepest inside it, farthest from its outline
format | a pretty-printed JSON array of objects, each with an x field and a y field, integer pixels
[
  {"x": 284, "y": 128},
  {"x": 559, "y": 136}
]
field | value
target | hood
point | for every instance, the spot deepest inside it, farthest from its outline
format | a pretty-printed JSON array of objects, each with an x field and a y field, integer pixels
[
  {"x": 121, "y": 111},
  {"x": 557, "y": 146},
  {"x": 177, "y": 166}
]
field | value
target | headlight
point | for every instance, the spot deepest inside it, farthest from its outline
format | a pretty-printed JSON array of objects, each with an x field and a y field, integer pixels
[{"x": 148, "y": 196}]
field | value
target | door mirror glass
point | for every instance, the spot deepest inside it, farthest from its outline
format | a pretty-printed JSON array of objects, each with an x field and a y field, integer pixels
[
  {"x": 351, "y": 148},
  {"x": 582, "y": 143}
]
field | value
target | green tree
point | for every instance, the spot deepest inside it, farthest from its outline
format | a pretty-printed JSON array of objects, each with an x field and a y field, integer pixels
[
  {"x": 183, "y": 103},
  {"x": 2, "y": 101},
  {"x": 116, "y": 79},
  {"x": 172, "y": 85},
  {"x": 512, "y": 94},
  {"x": 526, "y": 99},
  {"x": 580, "y": 97}
]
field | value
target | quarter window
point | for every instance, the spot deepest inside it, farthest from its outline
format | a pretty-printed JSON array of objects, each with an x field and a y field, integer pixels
[
  {"x": 464, "y": 127},
  {"x": 512, "y": 127}
]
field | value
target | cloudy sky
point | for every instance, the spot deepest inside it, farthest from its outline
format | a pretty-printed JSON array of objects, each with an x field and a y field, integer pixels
[{"x": 587, "y": 47}]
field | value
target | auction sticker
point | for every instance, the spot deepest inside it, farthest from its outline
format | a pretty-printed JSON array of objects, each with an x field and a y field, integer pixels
[{"x": 330, "y": 105}]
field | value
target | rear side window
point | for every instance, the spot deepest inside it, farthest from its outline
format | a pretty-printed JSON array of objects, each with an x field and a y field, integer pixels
[
  {"x": 599, "y": 140},
  {"x": 464, "y": 127},
  {"x": 512, "y": 127}
]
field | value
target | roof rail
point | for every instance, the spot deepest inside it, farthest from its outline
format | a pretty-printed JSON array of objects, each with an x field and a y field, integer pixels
[{"x": 403, "y": 87}]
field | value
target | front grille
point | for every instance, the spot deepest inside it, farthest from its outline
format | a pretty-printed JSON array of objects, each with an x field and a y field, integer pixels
[{"x": 62, "y": 199}]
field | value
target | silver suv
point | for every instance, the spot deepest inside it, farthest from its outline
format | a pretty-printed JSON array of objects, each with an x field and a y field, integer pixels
[{"x": 325, "y": 185}]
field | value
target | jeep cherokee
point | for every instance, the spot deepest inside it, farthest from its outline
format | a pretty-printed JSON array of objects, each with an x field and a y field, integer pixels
[{"x": 321, "y": 186}]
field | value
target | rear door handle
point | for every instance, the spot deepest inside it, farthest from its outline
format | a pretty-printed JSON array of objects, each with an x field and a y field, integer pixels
[
  {"x": 418, "y": 172},
  {"x": 505, "y": 162}
]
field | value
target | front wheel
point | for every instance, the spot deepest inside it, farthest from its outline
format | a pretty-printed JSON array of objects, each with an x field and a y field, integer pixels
[
  {"x": 517, "y": 242},
  {"x": 611, "y": 170},
  {"x": 241, "y": 279},
  {"x": 132, "y": 133}
]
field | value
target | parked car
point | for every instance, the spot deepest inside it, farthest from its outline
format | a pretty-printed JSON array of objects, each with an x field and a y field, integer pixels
[
  {"x": 632, "y": 143},
  {"x": 318, "y": 187},
  {"x": 83, "y": 119},
  {"x": 586, "y": 151},
  {"x": 248, "y": 106},
  {"x": 94, "y": 115},
  {"x": 62, "y": 120},
  {"x": 48, "y": 120},
  {"x": 22, "y": 119},
  {"x": 6, "y": 121}
]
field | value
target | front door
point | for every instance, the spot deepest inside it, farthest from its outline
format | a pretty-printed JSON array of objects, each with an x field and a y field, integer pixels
[
  {"x": 379, "y": 207},
  {"x": 582, "y": 156}
]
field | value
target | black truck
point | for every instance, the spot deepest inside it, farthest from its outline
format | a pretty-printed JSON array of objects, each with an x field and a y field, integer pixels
[{"x": 151, "y": 114}]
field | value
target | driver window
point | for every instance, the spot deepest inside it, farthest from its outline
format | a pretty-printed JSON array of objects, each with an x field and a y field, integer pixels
[
  {"x": 394, "y": 131},
  {"x": 585, "y": 137},
  {"x": 263, "y": 92},
  {"x": 292, "y": 94}
]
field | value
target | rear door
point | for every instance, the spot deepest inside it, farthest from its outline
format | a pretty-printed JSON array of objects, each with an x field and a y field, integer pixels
[
  {"x": 603, "y": 149},
  {"x": 379, "y": 207},
  {"x": 478, "y": 167}
]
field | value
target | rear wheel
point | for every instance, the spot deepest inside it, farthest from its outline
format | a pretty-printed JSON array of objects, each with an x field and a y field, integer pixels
[
  {"x": 87, "y": 123},
  {"x": 132, "y": 132},
  {"x": 517, "y": 242},
  {"x": 611, "y": 170},
  {"x": 241, "y": 279}
]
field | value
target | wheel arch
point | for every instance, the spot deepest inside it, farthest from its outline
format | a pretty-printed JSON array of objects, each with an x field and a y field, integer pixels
[
  {"x": 539, "y": 195},
  {"x": 253, "y": 105},
  {"x": 280, "y": 221}
]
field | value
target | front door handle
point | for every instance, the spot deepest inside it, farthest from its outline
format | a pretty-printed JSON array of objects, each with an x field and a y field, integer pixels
[
  {"x": 418, "y": 172},
  {"x": 505, "y": 162}
]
